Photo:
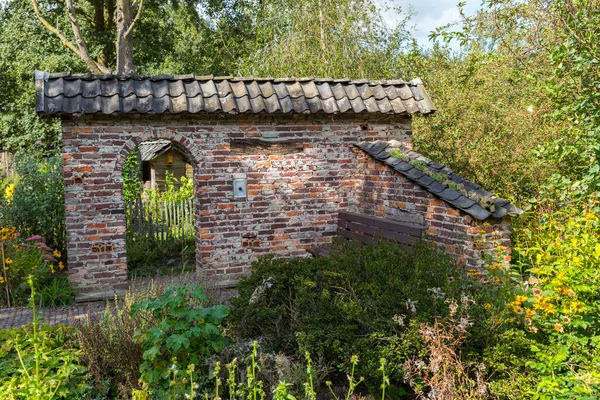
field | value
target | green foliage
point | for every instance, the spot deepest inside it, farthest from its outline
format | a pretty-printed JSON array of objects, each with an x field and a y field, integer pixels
[
  {"x": 556, "y": 302},
  {"x": 175, "y": 190},
  {"x": 59, "y": 369},
  {"x": 25, "y": 259},
  {"x": 132, "y": 176},
  {"x": 39, "y": 362},
  {"x": 57, "y": 292},
  {"x": 329, "y": 38},
  {"x": 365, "y": 300},
  {"x": 109, "y": 351},
  {"x": 183, "y": 333},
  {"x": 574, "y": 90},
  {"x": 37, "y": 204},
  {"x": 144, "y": 255}
]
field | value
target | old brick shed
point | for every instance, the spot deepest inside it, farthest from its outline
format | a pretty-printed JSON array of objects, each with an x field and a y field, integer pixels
[{"x": 305, "y": 149}]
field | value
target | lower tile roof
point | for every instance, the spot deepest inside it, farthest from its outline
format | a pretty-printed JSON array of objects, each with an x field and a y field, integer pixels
[{"x": 440, "y": 180}]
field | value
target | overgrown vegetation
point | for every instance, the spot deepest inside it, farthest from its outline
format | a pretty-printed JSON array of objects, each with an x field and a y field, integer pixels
[
  {"x": 365, "y": 300},
  {"x": 518, "y": 113}
]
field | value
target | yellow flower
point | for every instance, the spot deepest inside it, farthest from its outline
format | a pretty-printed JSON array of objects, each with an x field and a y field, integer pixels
[
  {"x": 8, "y": 261},
  {"x": 61, "y": 266},
  {"x": 52, "y": 268},
  {"x": 577, "y": 306},
  {"x": 56, "y": 253},
  {"x": 520, "y": 299},
  {"x": 529, "y": 313},
  {"x": 487, "y": 306},
  {"x": 9, "y": 192},
  {"x": 558, "y": 328},
  {"x": 1, "y": 279}
]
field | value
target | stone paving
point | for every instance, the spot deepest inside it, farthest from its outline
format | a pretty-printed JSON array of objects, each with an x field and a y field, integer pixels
[{"x": 21, "y": 316}]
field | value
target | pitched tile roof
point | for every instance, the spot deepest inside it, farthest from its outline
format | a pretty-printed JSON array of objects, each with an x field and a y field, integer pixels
[
  {"x": 68, "y": 94},
  {"x": 440, "y": 180},
  {"x": 150, "y": 150}
]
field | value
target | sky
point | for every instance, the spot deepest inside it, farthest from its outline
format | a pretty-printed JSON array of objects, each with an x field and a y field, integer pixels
[{"x": 430, "y": 14}]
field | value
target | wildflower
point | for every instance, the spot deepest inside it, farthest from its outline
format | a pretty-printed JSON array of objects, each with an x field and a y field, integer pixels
[
  {"x": 537, "y": 292},
  {"x": 558, "y": 328},
  {"x": 52, "y": 268},
  {"x": 520, "y": 299},
  {"x": 436, "y": 293},
  {"x": 34, "y": 238},
  {"x": 533, "y": 329},
  {"x": 61, "y": 265},
  {"x": 9, "y": 192},
  {"x": 1, "y": 279},
  {"x": 529, "y": 313},
  {"x": 8, "y": 261},
  {"x": 566, "y": 319},
  {"x": 399, "y": 319},
  {"x": 411, "y": 305},
  {"x": 577, "y": 306},
  {"x": 56, "y": 253},
  {"x": 487, "y": 306},
  {"x": 528, "y": 321}
]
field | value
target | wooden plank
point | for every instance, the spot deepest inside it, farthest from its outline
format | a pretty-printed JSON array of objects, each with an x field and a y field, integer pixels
[
  {"x": 399, "y": 237},
  {"x": 263, "y": 147},
  {"x": 356, "y": 236},
  {"x": 383, "y": 223}
]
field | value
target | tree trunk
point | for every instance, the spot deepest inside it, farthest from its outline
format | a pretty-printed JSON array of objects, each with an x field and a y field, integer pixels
[{"x": 124, "y": 20}]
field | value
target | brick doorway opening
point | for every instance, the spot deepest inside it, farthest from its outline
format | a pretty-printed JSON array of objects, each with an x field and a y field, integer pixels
[{"x": 158, "y": 192}]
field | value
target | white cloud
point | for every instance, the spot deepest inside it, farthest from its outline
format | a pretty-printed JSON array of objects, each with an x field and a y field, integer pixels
[{"x": 429, "y": 14}]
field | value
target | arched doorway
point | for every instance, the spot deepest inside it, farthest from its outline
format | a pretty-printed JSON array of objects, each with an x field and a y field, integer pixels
[{"x": 158, "y": 193}]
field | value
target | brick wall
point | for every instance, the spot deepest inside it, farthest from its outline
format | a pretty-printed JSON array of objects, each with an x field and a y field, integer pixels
[
  {"x": 383, "y": 192},
  {"x": 292, "y": 201}
]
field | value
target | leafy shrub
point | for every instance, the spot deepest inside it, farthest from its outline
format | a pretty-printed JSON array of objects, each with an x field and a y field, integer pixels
[
  {"x": 556, "y": 305},
  {"x": 182, "y": 335},
  {"x": 364, "y": 300},
  {"x": 57, "y": 292},
  {"x": 24, "y": 258},
  {"x": 143, "y": 252},
  {"x": 36, "y": 205},
  {"x": 111, "y": 354},
  {"x": 40, "y": 362},
  {"x": 59, "y": 369}
]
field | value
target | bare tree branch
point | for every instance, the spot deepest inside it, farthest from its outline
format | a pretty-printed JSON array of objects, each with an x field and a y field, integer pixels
[
  {"x": 137, "y": 16},
  {"x": 83, "y": 51},
  {"x": 92, "y": 65}
]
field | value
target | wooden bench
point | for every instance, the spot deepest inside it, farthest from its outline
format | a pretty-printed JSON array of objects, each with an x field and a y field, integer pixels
[{"x": 366, "y": 229}]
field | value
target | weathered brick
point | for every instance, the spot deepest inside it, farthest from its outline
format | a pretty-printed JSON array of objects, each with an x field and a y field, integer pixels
[{"x": 293, "y": 199}]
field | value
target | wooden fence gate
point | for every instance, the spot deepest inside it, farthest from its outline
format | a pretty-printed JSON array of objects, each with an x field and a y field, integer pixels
[{"x": 160, "y": 220}]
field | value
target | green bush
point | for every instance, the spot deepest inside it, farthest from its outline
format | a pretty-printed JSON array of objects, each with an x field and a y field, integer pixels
[
  {"x": 36, "y": 205},
  {"x": 364, "y": 300},
  {"x": 59, "y": 369},
  {"x": 24, "y": 258},
  {"x": 555, "y": 307},
  {"x": 56, "y": 292},
  {"x": 184, "y": 333}
]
